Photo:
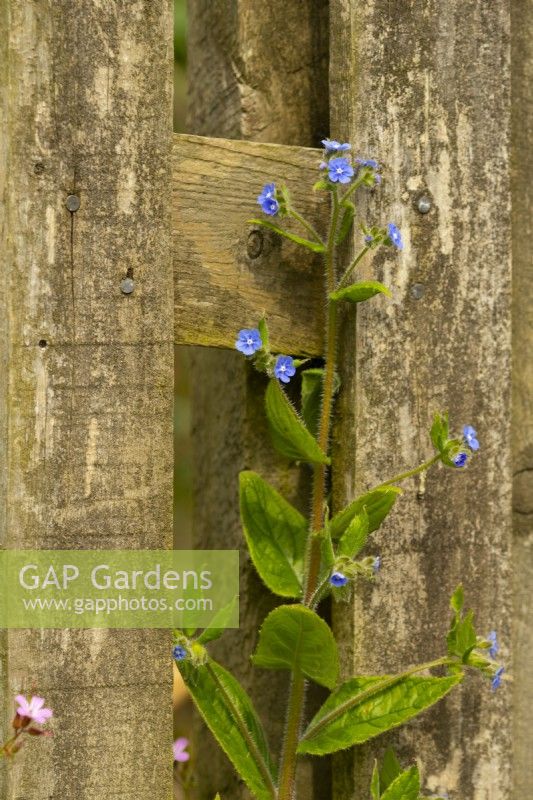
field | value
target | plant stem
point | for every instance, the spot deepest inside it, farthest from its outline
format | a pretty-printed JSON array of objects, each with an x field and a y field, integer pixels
[
  {"x": 410, "y": 472},
  {"x": 297, "y": 691},
  {"x": 308, "y": 227},
  {"x": 254, "y": 750},
  {"x": 352, "y": 266},
  {"x": 292, "y": 732}
]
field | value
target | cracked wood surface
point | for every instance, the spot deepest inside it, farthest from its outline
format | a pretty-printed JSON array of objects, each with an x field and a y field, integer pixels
[
  {"x": 227, "y": 273},
  {"x": 426, "y": 91},
  {"x": 87, "y": 372}
]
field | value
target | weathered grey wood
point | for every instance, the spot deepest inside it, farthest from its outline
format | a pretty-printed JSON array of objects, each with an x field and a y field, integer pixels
[
  {"x": 257, "y": 71},
  {"x": 227, "y": 272},
  {"x": 522, "y": 226},
  {"x": 86, "y": 402},
  {"x": 426, "y": 90}
]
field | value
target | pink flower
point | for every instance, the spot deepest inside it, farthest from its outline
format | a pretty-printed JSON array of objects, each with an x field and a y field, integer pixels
[
  {"x": 180, "y": 752},
  {"x": 33, "y": 709}
]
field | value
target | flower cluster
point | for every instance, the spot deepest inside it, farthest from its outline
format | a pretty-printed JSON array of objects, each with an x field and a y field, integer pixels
[
  {"x": 471, "y": 441},
  {"x": 250, "y": 343},
  {"x": 28, "y": 714}
]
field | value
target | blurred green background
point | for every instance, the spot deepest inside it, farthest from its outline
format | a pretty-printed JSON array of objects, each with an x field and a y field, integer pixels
[{"x": 182, "y": 406}]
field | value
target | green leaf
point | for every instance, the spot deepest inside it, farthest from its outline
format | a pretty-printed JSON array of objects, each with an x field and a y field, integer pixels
[
  {"x": 405, "y": 787},
  {"x": 311, "y": 398},
  {"x": 462, "y": 637},
  {"x": 359, "y": 292},
  {"x": 457, "y": 599},
  {"x": 390, "y": 769},
  {"x": 374, "y": 783},
  {"x": 364, "y": 707},
  {"x": 377, "y": 503},
  {"x": 231, "y": 718},
  {"x": 354, "y": 538},
  {"x": 316, "y": 247},
  {"x": 346, "y": 221},
  {"x": 219, "y": 624},
  {"x": 295, "y": 638},
  {"x": 263, "y": 332},
  {"x": 439, "y": 431},
  {"x": 276, "y": 534},
  {"x": 289, "y": 434}
]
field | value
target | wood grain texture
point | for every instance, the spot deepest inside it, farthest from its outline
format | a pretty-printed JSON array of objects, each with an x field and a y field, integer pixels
[
  {"x": 522, "y": 226},
  {"x": 256, "y": 71},
  {"x": 228, "y": 273},
  {"x": 425, "y": 89},
  {"x": 87, "y": 387}
]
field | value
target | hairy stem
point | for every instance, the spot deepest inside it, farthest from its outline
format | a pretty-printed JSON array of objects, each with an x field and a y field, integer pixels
[
  {"x": 410, "y": 472},
  {"x": 308, "y": 227},
  {"x": 297, "y": 691},
  {"x": 352, "y": 266}
]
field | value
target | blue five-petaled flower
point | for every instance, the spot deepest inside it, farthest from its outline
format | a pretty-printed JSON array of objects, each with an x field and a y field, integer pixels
[
  {"x": 338, "y": 579},
  {"x": 497, "y": 679},
  {"x": 340, "y": 170},
  {"x": 460, "y": 459},
  {"x": 179, "y": 652},
  {"x": 494, "y": 646},
  {"x": 248, "y": 341},
  {"x": 470, "y": 437},
  {"x": 332, "y": 146},
  {"x": 267, "y": 199},
  {"x": 284, "y": 368},
  {"x": 395, "y": 236},
  {"x": 367, "y": 162}
]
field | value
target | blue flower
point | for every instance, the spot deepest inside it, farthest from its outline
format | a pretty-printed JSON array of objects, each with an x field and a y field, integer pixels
[
  {"x": 267, "y": 199},
  {"x": 367, "y": 162},
  {"x": 331, "y": 146},
  {"x": 394, "y": 235},
  {"x": 470, "y": 437},
  {"x": 460, "y": 459},
  {"x": 376, "y": 566},
  {"x": 179, "y": 652},
  {"x": 497, "y": 679},
  {"x": 284, "y": 368},
  {"x": 495, "y": 647},
  {"x": 340, "y": 170},
  {"x": 248, "y": 341},
  {"x": 338, "y": 579},
  {"x": 323, "y": 165},
  {"x": 369, "y": 238}
]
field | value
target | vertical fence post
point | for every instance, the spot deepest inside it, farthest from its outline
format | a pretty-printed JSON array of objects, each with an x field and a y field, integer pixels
[
  {"x": 425, "y": 88},
  {"x": 86, "y": 400},
  {"x": 522, "y": 226},
  {"x": 256, "y": 71}
]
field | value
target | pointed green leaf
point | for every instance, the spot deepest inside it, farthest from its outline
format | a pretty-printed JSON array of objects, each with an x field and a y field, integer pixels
[
  {"x": 219, "y": 623},
  {"x": 457, "y": 600},
  {"x": 316, "y": 247},
  {"x": 374, "y": 783},
  {"x": 390, "y": 769},
  {"x": 377, "y": 504},
  {"x": 364, "y": 707},
  {"x": 295, "y": 638},
  {"x": 346, "y": 221},
  {"x": 276, "y": 534},
  {"x": 311, "y": 398},
  {"x": 263, "y": 332},
  {"x": 462, "y": 637},
  {"x": 359, "y": 292},
  {"x": 354, "y": 537},
  {"x": 289, "y": 434},
  {"x": 439, "y": 431},
  {"x": 405, "y": 787},
  {"x": 231, "y": 718}
]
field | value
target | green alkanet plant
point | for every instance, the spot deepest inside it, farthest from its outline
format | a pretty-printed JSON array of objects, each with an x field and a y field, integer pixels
[{"x": 304, "y": 561}]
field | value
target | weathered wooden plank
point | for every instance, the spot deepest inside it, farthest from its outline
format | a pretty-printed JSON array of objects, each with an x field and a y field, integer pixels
[
  {"x": 227, "y": 272},
  {"x": 426, "y": 91},
  {"x": 87, "y": 390},
  {"x": 522, "y": 426},
  {"x": 257, "y": 71}
]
